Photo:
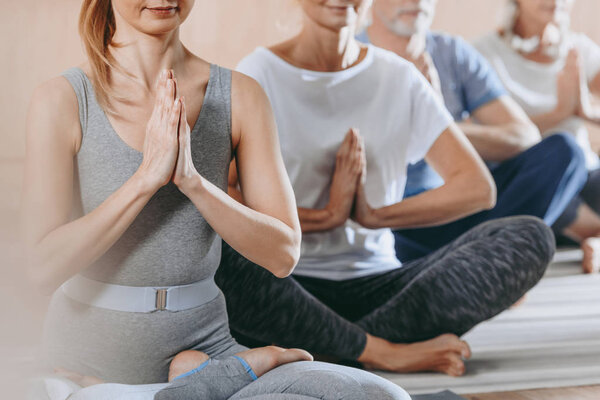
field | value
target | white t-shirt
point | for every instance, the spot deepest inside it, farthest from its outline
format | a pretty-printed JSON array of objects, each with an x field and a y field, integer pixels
[
  {"x": 533, "y": 84},
  {"x": 396, "y": 112}
]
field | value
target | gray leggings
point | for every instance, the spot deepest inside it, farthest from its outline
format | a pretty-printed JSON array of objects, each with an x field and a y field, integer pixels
[
  {"x": 299, "y": 380},
  {"x": 468, "y": 281}
]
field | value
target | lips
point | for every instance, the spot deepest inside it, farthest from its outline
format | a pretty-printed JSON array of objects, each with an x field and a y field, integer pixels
[
  {"x": 161, "y": 8},
  {"x": 339, "y": 9}
]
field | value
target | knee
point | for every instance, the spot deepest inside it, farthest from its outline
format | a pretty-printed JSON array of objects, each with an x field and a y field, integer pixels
[
  {"x": 563, "y": 151},
  {"x": 536, "y": 242}
]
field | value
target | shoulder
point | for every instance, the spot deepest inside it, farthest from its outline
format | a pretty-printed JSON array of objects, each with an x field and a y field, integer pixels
[
  {"x": 254, "y": 63},
  {"x": 451, "y": 46},
  {"x": 444, "y": 40},
  {"x": 54, "y": 111},
  {"x": 389, "y": 62},
  {"x": 487, "y": 44},
  {"x": 56, "y": 92},
  {"x": 245, "y": 87},
  {"x": 248, "y": 98},
  {"x": 55, "y": 101}
]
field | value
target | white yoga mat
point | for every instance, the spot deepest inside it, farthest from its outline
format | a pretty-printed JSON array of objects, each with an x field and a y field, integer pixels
[{"x": 551, "y": 340}]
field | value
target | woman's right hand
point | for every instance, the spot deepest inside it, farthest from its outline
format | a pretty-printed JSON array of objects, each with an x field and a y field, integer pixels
[
  {"x": 161, "y": 144},
  {"x": 348, "y": 169}
]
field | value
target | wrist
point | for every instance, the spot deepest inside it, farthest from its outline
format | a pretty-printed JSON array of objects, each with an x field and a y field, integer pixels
[
  {"x": 145, "y": 184},
  {"x": 335, "y": 215},
  {"x": 562, "y": 112},
  {"x": 371, "y": 219},
  {"x": 189, "y": 184}
]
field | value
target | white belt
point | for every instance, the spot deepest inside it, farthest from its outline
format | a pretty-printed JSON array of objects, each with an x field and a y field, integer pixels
[{"x": 140, "y": 299}]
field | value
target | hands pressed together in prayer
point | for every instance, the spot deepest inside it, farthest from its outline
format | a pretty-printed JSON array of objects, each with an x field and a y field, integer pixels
[
  {"x": 573, "y": 93},
  {"x": 167, "y": 151},
  {"x": 347, "y": 197}
]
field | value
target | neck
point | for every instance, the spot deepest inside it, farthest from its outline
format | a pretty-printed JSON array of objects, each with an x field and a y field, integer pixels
[
  {"x": 327, "y": 50},
  {"x": 528, "y": 30},
  {"x": 145, "y": 56}
]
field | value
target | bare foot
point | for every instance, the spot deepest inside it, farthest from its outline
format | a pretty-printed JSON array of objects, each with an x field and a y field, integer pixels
[
  {"x": 591, "y": 255},
  {"x": 444, "y": 353},
  {"x": 519, "y": 302},
  {"x": 261, "y": 360},
  {"x": 264, "y": 359},
  {"x": 186, "y": 361},
  {"x": 81, "y": 380}
]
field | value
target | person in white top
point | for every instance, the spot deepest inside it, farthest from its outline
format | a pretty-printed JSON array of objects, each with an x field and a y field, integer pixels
[
  {"x": 554, "y": 74},
  {"x": 350, "y": 118}
]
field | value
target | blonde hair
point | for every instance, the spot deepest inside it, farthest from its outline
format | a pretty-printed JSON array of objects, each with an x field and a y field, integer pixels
[{"x": 96, "y": 28}]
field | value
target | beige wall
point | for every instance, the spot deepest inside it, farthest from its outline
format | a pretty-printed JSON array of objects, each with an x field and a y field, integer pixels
[{"x": 38, "y": 39}]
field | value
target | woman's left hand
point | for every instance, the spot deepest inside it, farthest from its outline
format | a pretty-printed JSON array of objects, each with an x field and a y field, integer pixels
[
  {"x": 185, "y": 171},
  {"x": 363, "y": 213}
]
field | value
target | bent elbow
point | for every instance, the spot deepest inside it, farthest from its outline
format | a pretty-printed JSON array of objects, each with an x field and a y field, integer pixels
[
  {"x": 487, "y": 194},
  {"x": 288, "y": 259},
  {"x": 529, "y": 136}
]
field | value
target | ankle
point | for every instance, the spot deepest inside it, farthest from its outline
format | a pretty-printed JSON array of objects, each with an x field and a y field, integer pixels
[{"x": 375, "y": 350}]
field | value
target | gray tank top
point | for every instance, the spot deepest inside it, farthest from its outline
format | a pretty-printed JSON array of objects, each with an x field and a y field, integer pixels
[{"x": 169, "y": 243}]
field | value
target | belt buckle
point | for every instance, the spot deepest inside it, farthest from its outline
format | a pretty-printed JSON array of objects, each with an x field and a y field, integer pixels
[{"x": 161, "y": 299}]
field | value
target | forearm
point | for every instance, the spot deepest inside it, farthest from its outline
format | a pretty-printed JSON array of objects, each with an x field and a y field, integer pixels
[
  {"x": 549, "y": 120},
  {"x": 72, "y": 247},
  {"x": 319, "y": 220},
  {"x": 500, "y": 142},
  {"x": 311, "y": 220},
  {"x": 260, "y": 238},
  {"x": 450, "y": 202}
]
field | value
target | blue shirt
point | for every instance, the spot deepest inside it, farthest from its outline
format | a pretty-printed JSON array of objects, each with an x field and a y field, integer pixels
[{"x": 467, "y": 81}]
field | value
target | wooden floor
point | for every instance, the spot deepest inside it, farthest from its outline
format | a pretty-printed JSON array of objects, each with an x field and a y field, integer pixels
[{"x": 574, "y": 393}]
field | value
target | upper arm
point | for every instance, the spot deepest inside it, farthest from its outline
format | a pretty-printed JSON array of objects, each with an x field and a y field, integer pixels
[
  {"x": 501, "y": 111},
  {"x": 261, "y": 172},
  {"x": 53, "y": 135}
]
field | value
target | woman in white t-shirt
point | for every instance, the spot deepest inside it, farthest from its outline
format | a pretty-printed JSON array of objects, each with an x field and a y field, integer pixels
[
  {"x": 351, "y": 117},
  {"x": 554, "y": 74}
]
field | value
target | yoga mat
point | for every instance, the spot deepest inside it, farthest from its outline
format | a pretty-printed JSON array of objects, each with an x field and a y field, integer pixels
[
  {"x": 551, "y": 340},
  {"x": 445, "y": 395}
]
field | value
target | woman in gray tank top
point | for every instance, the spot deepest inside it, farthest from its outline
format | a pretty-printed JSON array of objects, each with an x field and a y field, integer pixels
[{"x": 125, "y": 207}]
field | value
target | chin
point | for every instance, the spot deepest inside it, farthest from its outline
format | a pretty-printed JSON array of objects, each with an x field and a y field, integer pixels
[{"x": 159, "y": 27}]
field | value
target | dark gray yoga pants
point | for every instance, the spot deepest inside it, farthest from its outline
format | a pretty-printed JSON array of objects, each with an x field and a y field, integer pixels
[{"x": 468, "y": 281}]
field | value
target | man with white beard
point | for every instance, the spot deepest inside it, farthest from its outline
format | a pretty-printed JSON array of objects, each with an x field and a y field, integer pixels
[{"x": 533, "y": 177}]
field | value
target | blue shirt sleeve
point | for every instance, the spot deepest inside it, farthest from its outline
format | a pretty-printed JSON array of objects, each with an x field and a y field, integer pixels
[{"x": 479, "y": 82}]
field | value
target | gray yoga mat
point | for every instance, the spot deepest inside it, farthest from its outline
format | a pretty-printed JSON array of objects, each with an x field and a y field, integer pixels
[
  {"x": 551, "y": 340},
  {"x": 445, "y": 395}
]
